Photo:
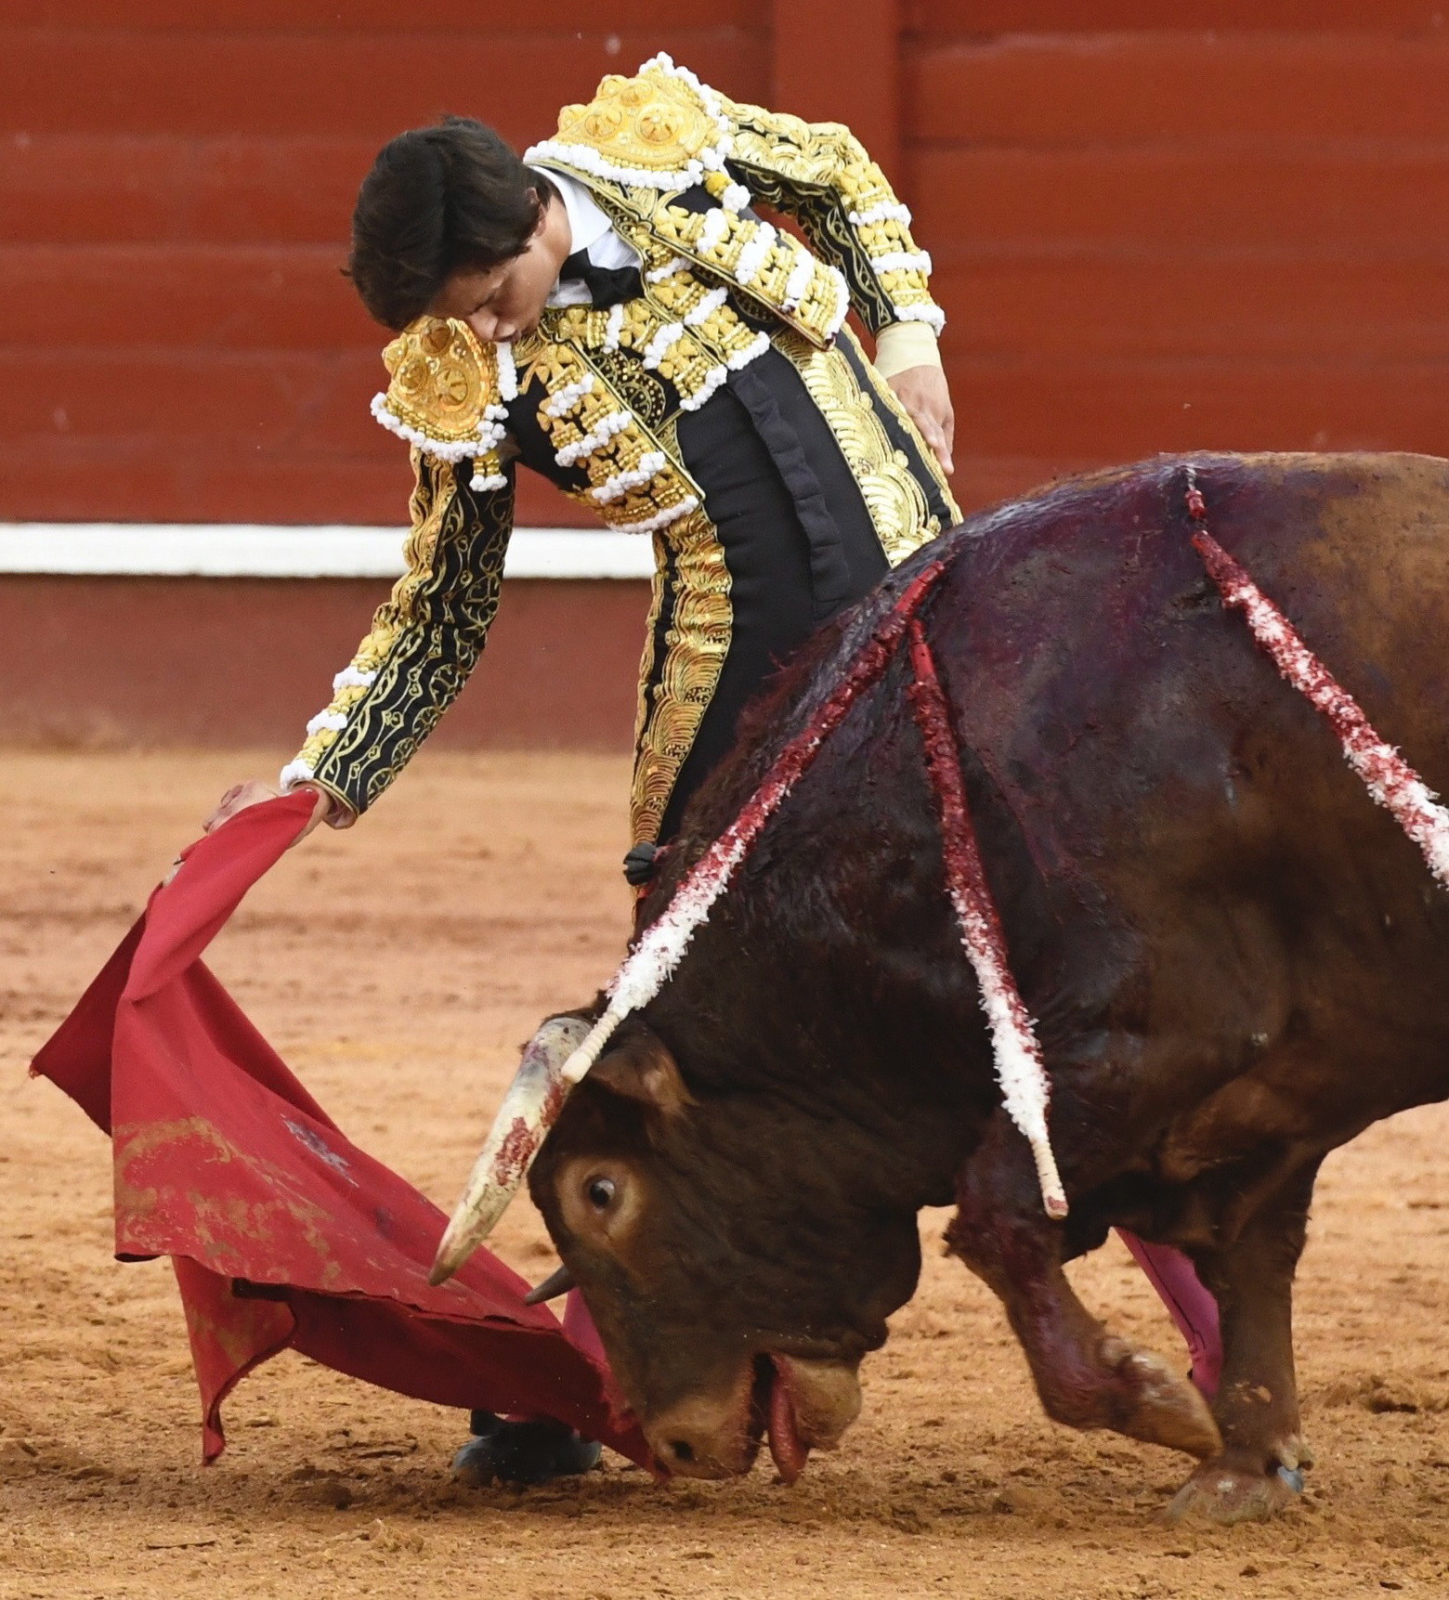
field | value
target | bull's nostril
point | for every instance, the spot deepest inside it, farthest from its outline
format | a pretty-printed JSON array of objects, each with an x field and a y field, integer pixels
[{"x": 683, "y": 1451}]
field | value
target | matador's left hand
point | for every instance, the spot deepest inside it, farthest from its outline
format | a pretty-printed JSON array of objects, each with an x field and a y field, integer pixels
[{"x": 924, "y": 394}]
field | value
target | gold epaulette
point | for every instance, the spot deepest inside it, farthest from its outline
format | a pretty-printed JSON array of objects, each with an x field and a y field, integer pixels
[
  {"x": 448, "y": 395},
  {"x": 661, "y": 129}
]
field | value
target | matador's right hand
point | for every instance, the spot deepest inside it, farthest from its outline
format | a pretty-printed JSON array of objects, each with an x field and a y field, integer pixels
[{"x": 253, "y": 792}]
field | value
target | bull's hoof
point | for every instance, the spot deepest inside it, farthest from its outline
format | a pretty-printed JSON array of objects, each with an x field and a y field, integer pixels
[
  {"x": 1226, "y": 1492},
  {"x": 1158, "y": 1406},
  {"x": 522, "y": 1452}
]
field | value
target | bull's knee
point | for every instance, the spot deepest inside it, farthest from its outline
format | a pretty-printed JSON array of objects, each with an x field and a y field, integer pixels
[{"x": 1131, "y": 1392}]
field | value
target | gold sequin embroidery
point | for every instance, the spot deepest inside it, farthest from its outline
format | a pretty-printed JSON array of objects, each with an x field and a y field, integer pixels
[
  {"x": 430, "y": 503},
  {"x": 892, "y": 493},
  {"x": 695, "y": 646}
]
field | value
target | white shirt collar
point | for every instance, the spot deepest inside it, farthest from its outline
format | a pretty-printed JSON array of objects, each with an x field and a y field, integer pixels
[
  {"x": 592, "y": 231},
  {"x": 587, "y": 223}
]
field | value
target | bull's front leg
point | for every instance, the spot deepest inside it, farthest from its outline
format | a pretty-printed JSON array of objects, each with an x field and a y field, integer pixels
[
  {"x": 1086, "y": 1376},
  {"x": 1260, "y": 1467}
]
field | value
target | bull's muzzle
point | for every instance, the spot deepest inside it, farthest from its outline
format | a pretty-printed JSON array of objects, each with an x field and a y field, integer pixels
[{"x": 796, "y": 1406}]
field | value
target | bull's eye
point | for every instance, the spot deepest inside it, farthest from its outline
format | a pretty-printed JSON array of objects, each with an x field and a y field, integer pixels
[{"x": 601, "y": 1193}]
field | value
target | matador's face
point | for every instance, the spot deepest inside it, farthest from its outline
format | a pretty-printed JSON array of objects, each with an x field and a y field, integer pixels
[{"x": 506, "y": 301}]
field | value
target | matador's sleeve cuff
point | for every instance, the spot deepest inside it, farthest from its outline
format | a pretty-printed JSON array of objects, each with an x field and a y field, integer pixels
[
  {"x": 342, "y": 814},
  {"x": 902, "y": 345}
]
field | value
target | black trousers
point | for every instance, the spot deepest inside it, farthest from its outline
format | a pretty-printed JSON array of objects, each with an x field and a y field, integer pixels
[{"x": 797, "y": 534}]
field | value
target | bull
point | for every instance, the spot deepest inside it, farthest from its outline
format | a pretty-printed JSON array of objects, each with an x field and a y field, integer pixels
[{"x": 1234, "y": 959}]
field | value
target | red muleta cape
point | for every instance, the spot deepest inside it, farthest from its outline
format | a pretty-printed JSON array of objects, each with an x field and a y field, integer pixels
[{"x": 285, "y": 1235}]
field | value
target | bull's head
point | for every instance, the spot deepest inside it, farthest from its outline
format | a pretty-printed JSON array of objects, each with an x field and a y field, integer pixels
[{"x": 734, "y": 1251}]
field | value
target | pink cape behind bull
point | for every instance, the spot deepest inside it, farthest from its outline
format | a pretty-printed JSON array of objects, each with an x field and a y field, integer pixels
[{"x": 283, "y": 1234}]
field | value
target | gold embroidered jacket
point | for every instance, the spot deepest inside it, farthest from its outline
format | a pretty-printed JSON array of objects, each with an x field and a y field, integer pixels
[{"x": 602, "y": 390}]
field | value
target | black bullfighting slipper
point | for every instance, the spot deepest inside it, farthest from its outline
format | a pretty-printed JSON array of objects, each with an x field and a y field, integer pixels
[{"x": 522, "y": 1452}]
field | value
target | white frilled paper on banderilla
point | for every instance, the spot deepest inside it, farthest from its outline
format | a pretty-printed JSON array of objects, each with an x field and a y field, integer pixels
[
  {"x": 1016, "y": 1052},
  {"x": 242, "y": 550},
  {"x": 1389, "y": 779}
]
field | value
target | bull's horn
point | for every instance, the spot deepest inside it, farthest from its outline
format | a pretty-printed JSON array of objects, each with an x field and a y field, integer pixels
[
  {"x": 529, "y": 1110},
  {"x": 556, "y": 1283},
  {"x": 549, "y": 1069},
  {"x": 542, "y": 1085}
]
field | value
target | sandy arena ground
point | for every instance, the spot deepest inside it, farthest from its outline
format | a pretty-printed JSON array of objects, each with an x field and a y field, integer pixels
[{"x": 397, "y": 967}]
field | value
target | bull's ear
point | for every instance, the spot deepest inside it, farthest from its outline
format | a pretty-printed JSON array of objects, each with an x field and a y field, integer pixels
[{"x": 641, "y": 1068}]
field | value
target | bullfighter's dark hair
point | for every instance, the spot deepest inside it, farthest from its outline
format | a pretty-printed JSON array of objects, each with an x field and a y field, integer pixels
[{"x": 438, "y": 200}]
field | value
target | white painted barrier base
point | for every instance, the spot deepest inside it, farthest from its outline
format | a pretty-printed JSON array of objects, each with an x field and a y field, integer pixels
[{"x": 242, "y": 550}]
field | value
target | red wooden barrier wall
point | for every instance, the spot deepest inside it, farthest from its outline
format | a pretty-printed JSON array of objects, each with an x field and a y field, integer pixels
[
  {"x": 1157, "y": 223},
  {"x": 175, "y": 186},
  {"x": 1162, "y": 224}
]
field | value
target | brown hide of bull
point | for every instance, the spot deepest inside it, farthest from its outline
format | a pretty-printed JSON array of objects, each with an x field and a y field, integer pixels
[{"x": 1235, "y": 959}]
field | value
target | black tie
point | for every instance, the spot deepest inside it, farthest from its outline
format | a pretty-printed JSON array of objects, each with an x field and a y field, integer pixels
[{"x": 607, "y": 286}]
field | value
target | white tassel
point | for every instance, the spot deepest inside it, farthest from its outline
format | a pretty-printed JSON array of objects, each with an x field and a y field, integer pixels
[
  {"x": 621, "y": 483},
  {"x": 902, "y": 261},
  {"x": 658, "y": 347},
  {"x": 507, "y": 373},
  {"x": 716, "y": 226},
  {"x": 566, "y": 398},
  {"x": 752, "y": 352},
  {"x": 670, "y": 267},
  {"x": 712, "y": 380},
  {"x": 797, "y": 285},
  {"x": 293, "y": 773},
  {"x": 615, "y": 422},
  {"x": 716, "y": 376},
  {"x": 660, "y": 519},
  {"x": 885, "y": 211},
  {"x": 932, "y": 316},
  {"x": 706, "y": 308},
  {"x": 752, "y": 257}
]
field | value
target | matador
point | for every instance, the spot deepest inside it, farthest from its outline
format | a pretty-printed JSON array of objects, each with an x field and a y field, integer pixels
[
  {"x": 688, "y": 377},
  {"x": 615, "y": 312}
]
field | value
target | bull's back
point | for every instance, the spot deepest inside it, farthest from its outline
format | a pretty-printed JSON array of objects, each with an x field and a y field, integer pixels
[
  {"x": 1355, "y": 549},
  {"x": 1219, "y": 881},
  {"x": 1057, "y": 598}
]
